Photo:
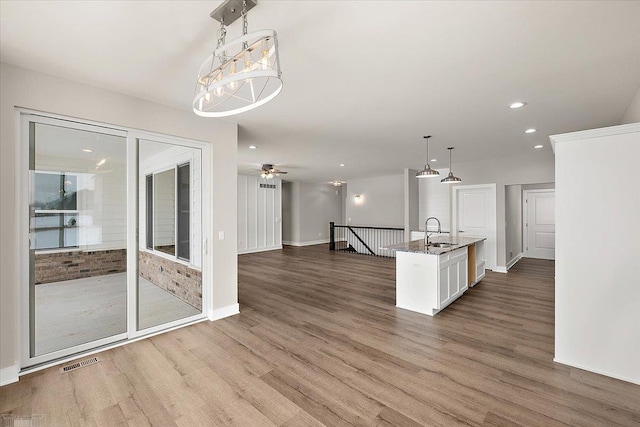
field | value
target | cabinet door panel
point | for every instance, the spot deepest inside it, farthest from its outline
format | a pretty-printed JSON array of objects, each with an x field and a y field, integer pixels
[
  {"x": 453, "y": 279},
  {"x": 444, "y": 286},
  {"x": 463, "y": 282}
]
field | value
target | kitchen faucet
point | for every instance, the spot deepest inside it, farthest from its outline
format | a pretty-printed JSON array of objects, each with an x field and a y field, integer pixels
[{"x": 426, "y": 232}]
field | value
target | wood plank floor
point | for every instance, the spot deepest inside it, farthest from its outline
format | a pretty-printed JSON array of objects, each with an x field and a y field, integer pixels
[{"x": 319, "y": 341}]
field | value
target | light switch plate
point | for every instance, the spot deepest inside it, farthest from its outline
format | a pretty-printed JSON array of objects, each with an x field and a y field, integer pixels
[{"x": 220, "y": 235}]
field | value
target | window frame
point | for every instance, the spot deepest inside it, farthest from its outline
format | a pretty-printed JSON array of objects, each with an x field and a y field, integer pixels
[{"x": 150, "y": 217}]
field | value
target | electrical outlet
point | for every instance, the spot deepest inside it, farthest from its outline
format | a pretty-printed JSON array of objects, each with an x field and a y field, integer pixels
[{"x": 319, "y": 234}]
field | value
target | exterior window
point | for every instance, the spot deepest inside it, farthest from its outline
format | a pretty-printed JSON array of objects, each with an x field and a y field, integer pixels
[
  {"x": 55, "y": 223},
  {"x": 168, "y": 212},
  {"x": 149, "y": 204},
  {"x": 184, "y": 212}
]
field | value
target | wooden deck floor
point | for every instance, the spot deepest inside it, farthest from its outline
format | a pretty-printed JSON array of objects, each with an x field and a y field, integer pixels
[{"x": 319, "y": 341}]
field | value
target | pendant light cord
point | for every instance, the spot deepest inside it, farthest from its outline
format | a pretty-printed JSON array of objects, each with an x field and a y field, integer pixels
[{"x": 427, "y": 138}]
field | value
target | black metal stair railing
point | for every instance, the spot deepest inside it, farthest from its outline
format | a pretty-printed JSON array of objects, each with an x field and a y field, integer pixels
[{"x": 364, "y": 239}]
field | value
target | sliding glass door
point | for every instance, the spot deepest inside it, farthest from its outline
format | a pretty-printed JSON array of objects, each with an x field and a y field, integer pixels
[
  {"x": 77, "y": 186},
  {"x": 170, "y": 254},
  {"x": 114, "y": 236}
]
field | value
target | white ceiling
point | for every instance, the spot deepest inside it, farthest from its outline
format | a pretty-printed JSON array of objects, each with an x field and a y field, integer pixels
[{"x": 363, "y": 80}]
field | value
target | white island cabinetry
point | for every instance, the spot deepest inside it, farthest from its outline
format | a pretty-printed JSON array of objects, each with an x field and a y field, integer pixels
[
  {"x": 417, "y": 272},
  {"x": 429, "y": 278}
]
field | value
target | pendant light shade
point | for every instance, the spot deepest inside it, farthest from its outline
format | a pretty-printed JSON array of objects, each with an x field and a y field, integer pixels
[
  {"x": 451, "y": 178},
  {"x": 239, "y": 75},
  {"x": 427, "y": 172}
]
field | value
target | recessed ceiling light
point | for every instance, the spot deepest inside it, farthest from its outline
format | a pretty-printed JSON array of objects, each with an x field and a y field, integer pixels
[
  {"x": 252, "y": 147},
  {"x": 538, "y": 146},
  {"x": 531, "y": 130},
  {"x": 433, "y": 160},
  {"x": 342, "y": 165},
  {"x": 86, "y": 150},
  {"x": 518, "y": 104}
]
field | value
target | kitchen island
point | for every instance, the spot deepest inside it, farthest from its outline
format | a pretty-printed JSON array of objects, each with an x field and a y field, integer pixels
[{"x": 430, "y": 278}]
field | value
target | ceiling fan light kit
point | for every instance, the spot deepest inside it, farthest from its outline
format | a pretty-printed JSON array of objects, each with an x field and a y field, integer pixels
[
  {"x": 427, "y": 172},
  {"x": 239, "y": 75},
  {"x": 269, "y": 171}
]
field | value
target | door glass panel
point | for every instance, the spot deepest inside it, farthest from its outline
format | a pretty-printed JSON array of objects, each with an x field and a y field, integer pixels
[
  {"x": 164, "y": 211},
  {"x": 77, "y": 289},
  {"x": 169, "y": 256}
]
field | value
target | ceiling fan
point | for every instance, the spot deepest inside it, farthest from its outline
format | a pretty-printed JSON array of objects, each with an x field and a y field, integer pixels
[{"x": 269, "y": 171}]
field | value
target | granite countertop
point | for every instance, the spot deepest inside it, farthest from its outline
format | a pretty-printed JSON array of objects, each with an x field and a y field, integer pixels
[{"x": 417, "y": 246}]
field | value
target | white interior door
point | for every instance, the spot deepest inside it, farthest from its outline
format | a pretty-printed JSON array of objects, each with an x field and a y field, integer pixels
[
  {"x": 540, "y": 224},
  {"x": 474, "y": 215}
]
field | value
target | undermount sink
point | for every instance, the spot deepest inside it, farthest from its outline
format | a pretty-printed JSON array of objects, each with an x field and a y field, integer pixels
[{"x": 441, "y": 245}]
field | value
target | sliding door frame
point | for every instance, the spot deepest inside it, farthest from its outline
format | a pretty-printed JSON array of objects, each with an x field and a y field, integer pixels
[
  {"x": 26, "y": 293},
  {"x": 207, "y": 265},
  {"x": 24, "y": 116}
]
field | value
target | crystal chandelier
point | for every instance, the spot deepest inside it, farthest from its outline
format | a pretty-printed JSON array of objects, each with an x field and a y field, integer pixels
[{"x": 239, "y": 75}]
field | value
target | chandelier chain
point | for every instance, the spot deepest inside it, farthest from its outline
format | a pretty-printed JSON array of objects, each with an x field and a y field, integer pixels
[
  {"x": 222, "y": 34},
  {"x": 245, "y": 25}
]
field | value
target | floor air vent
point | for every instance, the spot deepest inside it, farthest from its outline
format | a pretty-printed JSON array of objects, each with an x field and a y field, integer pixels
[{"x": 78, "y": 365}]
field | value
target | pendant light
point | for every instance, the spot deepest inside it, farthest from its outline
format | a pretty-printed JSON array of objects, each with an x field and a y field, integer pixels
[
  {"x": 239, "y": 75},
  {"x": 450, "y": 178},
  {"x": 427, "y": 172}
]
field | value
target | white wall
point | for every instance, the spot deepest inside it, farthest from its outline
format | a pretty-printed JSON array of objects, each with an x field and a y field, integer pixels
[
  {"x": 435, "y": 198},
  {"x": 382, "y": 201},
  {"x": 24, "y": 88},
  {"x": 310, "y": 207},
  {"x": 632, "y": 115},
  {"x": 597, "y": 321},
  {"x": 288, "y": 217},
  {"x": 259, "y": 214},
  {"x": 319, "y": 205},
  {"x": 411, "y": 202},
  {"x": 513, "y": 222}
]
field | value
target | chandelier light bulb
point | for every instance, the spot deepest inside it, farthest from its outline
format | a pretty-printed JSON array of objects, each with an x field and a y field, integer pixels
[
  {"x": 232, "y": 70},
  {"x": 264, "y": 60},
  {"x": 219, "y": 91},
  {"x": 207, "y": 97},
  {"x": 247, "y": 61}
]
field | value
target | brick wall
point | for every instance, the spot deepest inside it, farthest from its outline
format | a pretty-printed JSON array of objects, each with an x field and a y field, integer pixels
[
  {"x": 182, "y": 281},
  {"x": 56, "y": 267}
]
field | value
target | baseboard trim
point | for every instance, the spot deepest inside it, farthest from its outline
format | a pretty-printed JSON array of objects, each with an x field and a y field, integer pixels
[
  {"x": 514, "y": 261},
  {"x": 221, "y": 313},
  {"x": 311, "y": 243},
  {"x": 9, "y": 375},
  {"x": 499, "y": 269},
  {"x": 599, "y": 372},
  {"x": 254, "y": 250}
]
